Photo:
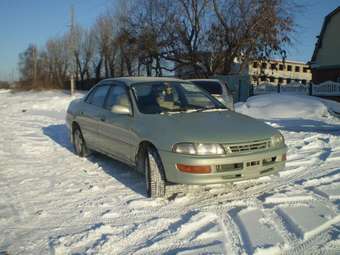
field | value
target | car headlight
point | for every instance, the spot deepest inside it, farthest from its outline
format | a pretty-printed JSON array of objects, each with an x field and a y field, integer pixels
[
  {"x": 277, "y": 140},
  {"x": 198, "y": 149}
]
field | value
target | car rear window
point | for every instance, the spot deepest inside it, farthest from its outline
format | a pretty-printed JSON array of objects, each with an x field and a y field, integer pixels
[{"x": 211, "y": 86}]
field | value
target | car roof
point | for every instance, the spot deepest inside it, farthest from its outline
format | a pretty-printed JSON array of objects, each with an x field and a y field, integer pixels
[
  {"x": 142, "y": 79},
  {"x": 214, "y": 80}
]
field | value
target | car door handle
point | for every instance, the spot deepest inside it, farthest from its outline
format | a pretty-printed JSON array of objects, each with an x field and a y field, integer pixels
[{"x": 102, "y": 119}]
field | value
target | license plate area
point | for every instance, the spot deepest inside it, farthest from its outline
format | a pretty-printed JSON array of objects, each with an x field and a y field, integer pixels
[
  {"x": 229, "y": 167},
  {"x": 254, "y": 163}
]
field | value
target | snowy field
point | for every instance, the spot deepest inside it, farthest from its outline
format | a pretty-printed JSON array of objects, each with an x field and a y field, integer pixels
[{"x": 53, "y": 202}]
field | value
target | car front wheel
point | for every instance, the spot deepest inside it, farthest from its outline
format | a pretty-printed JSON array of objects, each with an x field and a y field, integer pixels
[{"x": 154, "y": 174}]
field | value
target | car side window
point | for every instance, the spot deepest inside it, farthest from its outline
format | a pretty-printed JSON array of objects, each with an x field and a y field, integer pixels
[
  {"x": 99, "y": 95},
  {"x": 118, "y": 96},
  {"x": 210, "y": 86}
]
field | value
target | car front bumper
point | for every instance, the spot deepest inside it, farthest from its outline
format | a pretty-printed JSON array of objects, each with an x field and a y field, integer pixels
[{"x": 224, "y": 169}]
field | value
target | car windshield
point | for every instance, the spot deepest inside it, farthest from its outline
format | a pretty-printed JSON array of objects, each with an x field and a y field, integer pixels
[{"x": 163, "y": 97}]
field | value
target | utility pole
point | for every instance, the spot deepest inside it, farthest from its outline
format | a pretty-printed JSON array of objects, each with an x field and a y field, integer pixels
[
  {"x": 35, "y": 56},
  {"x": 12, "y": 76},
  {"x": 71, "y": 48}
]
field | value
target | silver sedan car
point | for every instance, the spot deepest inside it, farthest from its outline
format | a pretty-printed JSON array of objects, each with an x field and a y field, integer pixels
[{"x": 172, "y": 131}]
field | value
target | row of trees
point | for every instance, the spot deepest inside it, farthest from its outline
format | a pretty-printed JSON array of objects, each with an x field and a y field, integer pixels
[
  {"x": 156, "y": 37},
  {"x": 4, "y": 85}
]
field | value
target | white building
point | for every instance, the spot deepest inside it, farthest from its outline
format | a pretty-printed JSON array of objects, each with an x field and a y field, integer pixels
[{"x": 276, "y": 72}]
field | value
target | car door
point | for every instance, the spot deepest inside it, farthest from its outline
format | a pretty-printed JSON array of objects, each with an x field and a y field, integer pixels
[
  {"x": 115, "y": 133},
  {"x": 90, "y": 114}
]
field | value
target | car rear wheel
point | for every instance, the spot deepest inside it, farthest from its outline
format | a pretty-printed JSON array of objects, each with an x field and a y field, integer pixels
[
  {"x": 79, "y": 143},
  {"x": 154, "y": 174}
]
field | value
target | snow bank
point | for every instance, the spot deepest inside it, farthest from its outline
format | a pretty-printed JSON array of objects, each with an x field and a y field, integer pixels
[
  {"x": 332, "y": 105},
  {"x": 274, "y": 106},
  {"x": 58, "y": 101},
  {"x": 3, "y": 91}
]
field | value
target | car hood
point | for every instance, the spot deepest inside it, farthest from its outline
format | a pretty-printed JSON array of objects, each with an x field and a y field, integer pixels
[{"x": 205, "y": 127}]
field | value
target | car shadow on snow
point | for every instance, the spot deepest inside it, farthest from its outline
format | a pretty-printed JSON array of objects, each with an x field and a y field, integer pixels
[
  {"x": 59, "y": 134},
  {"x": 305, "y": 125},
  {"x": 119, "y": 171}
]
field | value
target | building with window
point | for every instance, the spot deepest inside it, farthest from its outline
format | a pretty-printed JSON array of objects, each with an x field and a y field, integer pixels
[
  {"x": 270, "y": 71},
  {"x": 276, "y": 72},
  {"x": 325, "y": 62}
]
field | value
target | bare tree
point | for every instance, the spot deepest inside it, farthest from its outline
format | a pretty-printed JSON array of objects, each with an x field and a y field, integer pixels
[
  {"x": 58, "y": 59},
  {"x": 191, "y": 31},
  {"x": 83, "y": 52},
  {"x": 27, "y": 63},
  {"x": 33, "y": 68},
  {"x": 106, "y": 46},
  {"x": 152, "y": 37},
  {"x": 249, "y": 29},
  {"x": 97, "y": 59},
  {"x": 143, "y": 36}
]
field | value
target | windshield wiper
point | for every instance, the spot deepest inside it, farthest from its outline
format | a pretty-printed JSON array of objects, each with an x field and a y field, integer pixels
[
  {"x": 180, "y": 110},
  {"x": 210, "y": 108},
  {"x": 202, "y": 109},
  {"x": 188, "y": 110}
]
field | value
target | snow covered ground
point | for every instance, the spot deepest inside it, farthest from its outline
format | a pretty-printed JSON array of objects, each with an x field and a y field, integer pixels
[{"x": 53, "y": 202}]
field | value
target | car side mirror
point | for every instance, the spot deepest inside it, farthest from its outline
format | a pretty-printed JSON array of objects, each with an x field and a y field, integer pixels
[{"x": 120, "y": 109}]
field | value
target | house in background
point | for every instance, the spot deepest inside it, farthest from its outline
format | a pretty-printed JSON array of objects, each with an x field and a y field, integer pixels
[{"x": 325, "y": 62}]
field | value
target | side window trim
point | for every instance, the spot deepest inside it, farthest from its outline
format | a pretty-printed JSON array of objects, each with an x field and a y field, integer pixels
[
  {"x": 105, "y": 84},
  {"x": 91, "y": 92},
  {"x": 109, "y": 84}
]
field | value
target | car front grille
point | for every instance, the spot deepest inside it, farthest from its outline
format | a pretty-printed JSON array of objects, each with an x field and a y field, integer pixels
[{"x": 247, "y": 147}]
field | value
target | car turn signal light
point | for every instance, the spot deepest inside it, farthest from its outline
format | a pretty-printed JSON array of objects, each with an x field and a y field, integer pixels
[{"x": 194, "y": 169}]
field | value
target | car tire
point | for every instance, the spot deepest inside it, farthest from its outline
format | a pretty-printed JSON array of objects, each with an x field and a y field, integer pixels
[
  {"x": 154, "y": 174},
  {"x": 79, "y": 144}
]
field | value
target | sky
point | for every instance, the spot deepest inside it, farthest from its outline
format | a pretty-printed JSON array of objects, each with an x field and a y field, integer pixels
[
  {"x": 309, "y": 20},
  {"x": 35, "y": 21}
]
